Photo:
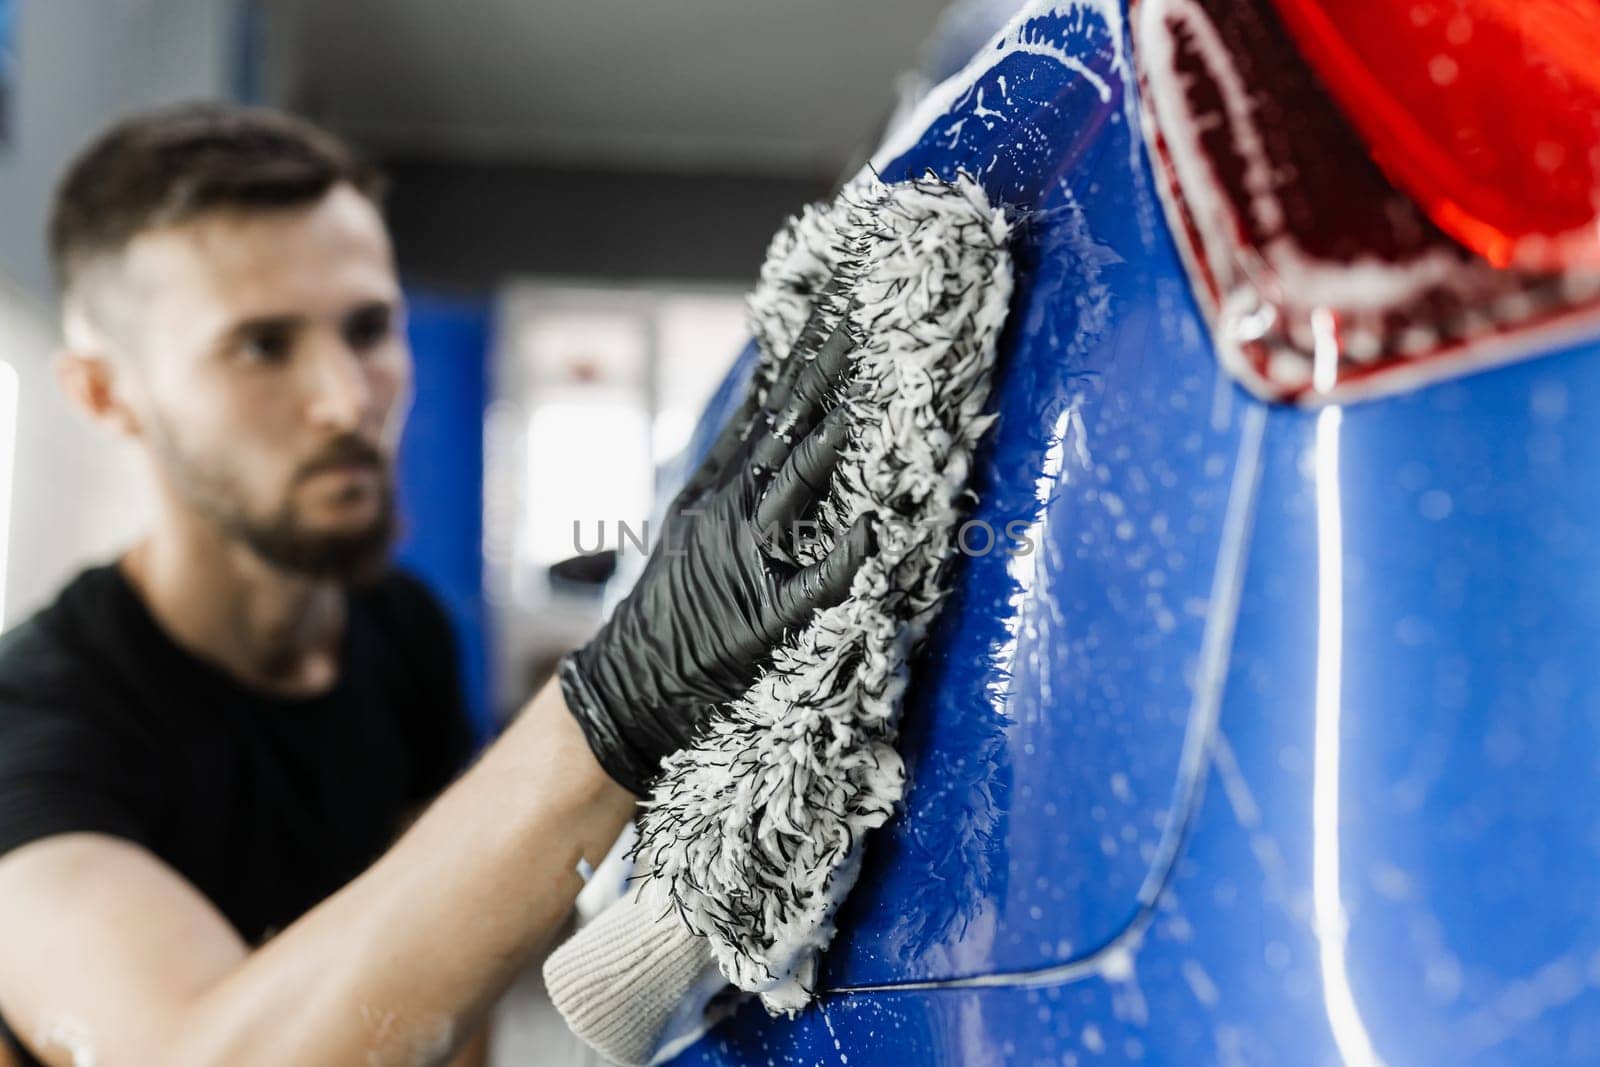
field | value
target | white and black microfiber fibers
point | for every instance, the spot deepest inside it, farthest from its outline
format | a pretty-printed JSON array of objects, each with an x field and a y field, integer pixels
[{"x": 753, "y": 836}]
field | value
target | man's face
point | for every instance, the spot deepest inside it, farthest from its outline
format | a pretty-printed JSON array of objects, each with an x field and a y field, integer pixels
[{"x": 273, "y": 376}]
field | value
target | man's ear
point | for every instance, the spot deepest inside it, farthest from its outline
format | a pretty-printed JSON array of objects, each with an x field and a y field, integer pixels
[{"x": 90, "y": 380}]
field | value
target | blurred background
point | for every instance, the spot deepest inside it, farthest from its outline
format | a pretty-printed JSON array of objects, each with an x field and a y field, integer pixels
[{"x": 581, "y": 194}]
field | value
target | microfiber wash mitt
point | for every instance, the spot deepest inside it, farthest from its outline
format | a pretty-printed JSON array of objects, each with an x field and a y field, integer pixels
[{"x": 753, "y": 836}]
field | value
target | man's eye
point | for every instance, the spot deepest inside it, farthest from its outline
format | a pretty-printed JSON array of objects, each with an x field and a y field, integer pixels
[
  {"x": 265, "y": 346},
  {"x": 368, "y": 328}
]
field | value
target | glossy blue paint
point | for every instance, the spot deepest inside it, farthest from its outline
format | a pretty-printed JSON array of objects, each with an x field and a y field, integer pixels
[
  {"x": 1279, "y": 748},
  {"x": 1111, "y": 464},
  {"x": 1472, "y": 709}
]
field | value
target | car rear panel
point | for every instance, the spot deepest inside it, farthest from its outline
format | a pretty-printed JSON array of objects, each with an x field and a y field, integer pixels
[{"x": 1280, "y": 745}]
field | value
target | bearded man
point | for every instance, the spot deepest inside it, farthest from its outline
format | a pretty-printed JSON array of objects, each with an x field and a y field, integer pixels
[{"x": 209, "y": 744}]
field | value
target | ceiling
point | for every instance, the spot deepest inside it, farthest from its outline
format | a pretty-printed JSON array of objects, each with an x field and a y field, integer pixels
[{"x": 744, "y": 86}]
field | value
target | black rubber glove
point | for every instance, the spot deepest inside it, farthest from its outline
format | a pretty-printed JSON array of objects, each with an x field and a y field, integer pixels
[{"x": 720, "y": 588}]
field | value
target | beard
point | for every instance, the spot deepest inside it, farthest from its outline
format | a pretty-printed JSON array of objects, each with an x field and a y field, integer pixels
[
  {"x": 349, "y": 556},
  {"x": 280, "y": 536}
]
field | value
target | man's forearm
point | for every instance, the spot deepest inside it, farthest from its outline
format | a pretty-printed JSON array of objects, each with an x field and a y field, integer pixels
[{"x": 401, "y": 964}]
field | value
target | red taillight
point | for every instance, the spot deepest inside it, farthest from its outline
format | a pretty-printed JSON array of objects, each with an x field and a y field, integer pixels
[
  {"x": 1324, "y": 279},
  {"x": 1486, "y": 112}
]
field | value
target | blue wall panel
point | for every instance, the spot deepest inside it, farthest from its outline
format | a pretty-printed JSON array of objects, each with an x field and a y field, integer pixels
[{"x": 441, "y": 474}]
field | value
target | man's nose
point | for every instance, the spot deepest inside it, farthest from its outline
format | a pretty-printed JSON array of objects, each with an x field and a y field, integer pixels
[{"x": 340, "y": 396}]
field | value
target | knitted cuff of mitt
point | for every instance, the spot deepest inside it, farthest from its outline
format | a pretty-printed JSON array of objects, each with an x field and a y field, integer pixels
[{"x": 620, "y": 979}]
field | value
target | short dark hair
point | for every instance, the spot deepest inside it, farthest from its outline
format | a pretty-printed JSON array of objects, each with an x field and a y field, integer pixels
[{"x": 170, "y": 165}]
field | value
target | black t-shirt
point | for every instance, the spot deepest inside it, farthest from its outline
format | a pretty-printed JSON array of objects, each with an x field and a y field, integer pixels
[{"x": 267, "y": 804}]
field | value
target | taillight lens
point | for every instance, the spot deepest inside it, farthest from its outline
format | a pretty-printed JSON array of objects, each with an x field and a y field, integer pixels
[
  {"x": 1323, "y": 277},
  {"x": 1486, "y": 112}
]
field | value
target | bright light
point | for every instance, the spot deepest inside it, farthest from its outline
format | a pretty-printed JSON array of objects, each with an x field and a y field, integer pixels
[
  {"x": 697, "y": 338},
  {"x": 1332, "y": 925},
  {"x": 588, "y": 461}
]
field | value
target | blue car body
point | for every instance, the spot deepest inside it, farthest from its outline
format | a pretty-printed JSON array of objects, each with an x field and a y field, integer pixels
[{"x": 1278, "y": 743}]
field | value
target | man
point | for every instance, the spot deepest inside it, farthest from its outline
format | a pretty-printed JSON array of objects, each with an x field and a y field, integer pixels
[{"x": 207, "y": 745}]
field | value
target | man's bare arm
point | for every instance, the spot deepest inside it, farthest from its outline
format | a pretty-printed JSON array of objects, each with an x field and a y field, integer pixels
[
  {"x": 112, "y": 958},
  {"x": 476, "y": 1051}
]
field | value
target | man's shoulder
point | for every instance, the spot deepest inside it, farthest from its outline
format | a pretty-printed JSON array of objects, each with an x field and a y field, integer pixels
[
  {"x": 58, "y": 680},
  {"x": 52, "y": 650},
  {"x": 75, "y": 755}
]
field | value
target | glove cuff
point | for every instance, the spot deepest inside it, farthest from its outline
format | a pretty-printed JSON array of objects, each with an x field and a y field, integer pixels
[{"x": 616, "y": 756}]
